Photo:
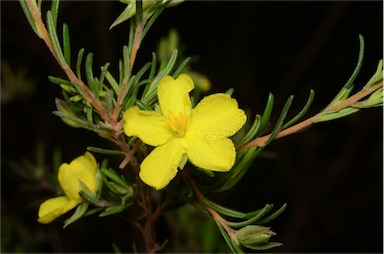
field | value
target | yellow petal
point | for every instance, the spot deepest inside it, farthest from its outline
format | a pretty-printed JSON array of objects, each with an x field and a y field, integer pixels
[
  {"x": 150, "y": 126},
  {"x": 217, "y": 114},
  {"x": 160, "y": 166},
  {"x": 83, "y": 168},
  {"x": 174, "y": 94},
  {"x": 55, "y": 207},
  {"x": 215, "y": 153}
]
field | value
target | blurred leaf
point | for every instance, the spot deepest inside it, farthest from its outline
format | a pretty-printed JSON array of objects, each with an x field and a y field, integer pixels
[{"x": 80, "y": 211}]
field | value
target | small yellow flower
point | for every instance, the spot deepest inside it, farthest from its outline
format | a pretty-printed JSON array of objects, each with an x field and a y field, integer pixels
[
  {"x": 84, "y": 169},
  {"x": 178, "y": 131}
]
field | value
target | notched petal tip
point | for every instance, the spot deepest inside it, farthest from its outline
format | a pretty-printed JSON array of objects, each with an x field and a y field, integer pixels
[{"x": 173, "y": 94}]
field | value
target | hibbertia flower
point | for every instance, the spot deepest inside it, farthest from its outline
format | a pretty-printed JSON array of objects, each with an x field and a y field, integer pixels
[
  {"x": 82, "y": 169},
  {"x": 179, "y": 132}
]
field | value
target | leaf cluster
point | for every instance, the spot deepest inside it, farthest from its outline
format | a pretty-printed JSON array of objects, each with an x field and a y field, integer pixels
[{"x": 244, "y": 220}]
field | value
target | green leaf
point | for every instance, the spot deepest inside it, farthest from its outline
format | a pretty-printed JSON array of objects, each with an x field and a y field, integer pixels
[
  {"x": 341, "y": 96},
  {"x": 359, "y": 63},
  {"x": 378, "y": 76},
  {"x": 54, "y": 38},
  {"x": 127, "y": 67},
  {"x": 82, "y": 123},
  {"x": 139, "y": 11},
  {"x": 29, "y": 17},
  {"x": 89, "y": 199},
  {"x": 233, "y": 246},
  {"x": 66, "y": 44},
  {"x": 63, "y": 107},
  {"x": 280, "y": 121},
  {"x": 272, "y": 216},
  {"x": 244, "y": 160},
  {"x": 104, "y": 70},
  {"x": 255, "y": 218},
  {"x": 79, "y": 91},
  {"x": 132, "y": 28},
  {"x": 54, "y": 11},
  {"x": 76, "y": 98},
  {"x": 112, "y": 82},
  {"x": 114, "y": 209},
  {"x": 143, "y": 105},
  {"x": 89, "y": 111},
  {"x": 144, "y": 69},
  {"x": 153, "y": 67},
  {"x": 150, "y": 22},
  {"x": 266, "y": 246},
  {"x": 335, "y": 114},
  {"x": 163, "y": 64},
  {"x": 59, "y": 81},
  {"x": 130, "y": 102},
  {"x": 80, "y": 211},
  {"x": 39, "y": 2},
  {"x": 104, "y": 151},
  {"x": 110, "y": 101},
  {"x": 92, "y": 211},
  {"x": 111, "y": 174},
  {"x": 251, "y": 134},
  {"x": 181, "y": 67},
  {"x": 230, "y": 91},
  {"x": 78, "y": 63},
  {"x": 302, "y": 112},
  {"x": 89, "y": 72},
  {"x": 266, "y": 114},
  {"x": 150, "y": 95},
  {"x": 224, "y": 210},
  {"x": 128, "y": 12},
  {"x": 121, "y": 72},
  {"x": 206, "y": 172}
]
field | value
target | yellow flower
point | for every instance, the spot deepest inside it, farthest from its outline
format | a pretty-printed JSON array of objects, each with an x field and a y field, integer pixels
[
  {"x": 179, "y": 132},
  {"x": 84, "y": 169}
]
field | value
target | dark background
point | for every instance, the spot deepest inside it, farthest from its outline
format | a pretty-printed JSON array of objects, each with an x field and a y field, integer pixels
[{"x": 330, "y": 175}]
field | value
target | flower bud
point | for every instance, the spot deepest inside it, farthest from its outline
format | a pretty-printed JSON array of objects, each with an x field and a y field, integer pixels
[
  {"x": 256, "y": 237},
  {"x": 254, "y": 234},
  {"x": 63, "y": 107}
]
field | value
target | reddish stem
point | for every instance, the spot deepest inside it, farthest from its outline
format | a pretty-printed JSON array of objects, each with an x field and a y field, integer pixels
[
  {"x": 215, "y": 215},
  {"x": 135, "y": 48},
  {"x": 44, "y": 35},
  {"x": 307, "y": 123}
]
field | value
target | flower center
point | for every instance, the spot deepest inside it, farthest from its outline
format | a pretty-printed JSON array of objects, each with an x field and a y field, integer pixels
[{"x": 178, "y": 123}]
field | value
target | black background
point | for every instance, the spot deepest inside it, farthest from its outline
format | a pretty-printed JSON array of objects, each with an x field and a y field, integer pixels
[{"x": 330, "y": 175}]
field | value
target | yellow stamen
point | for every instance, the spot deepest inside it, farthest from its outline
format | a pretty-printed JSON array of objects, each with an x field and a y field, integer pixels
[{"x": 178, "y": 123}]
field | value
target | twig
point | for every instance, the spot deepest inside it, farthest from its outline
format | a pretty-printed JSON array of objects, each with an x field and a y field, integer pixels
[
  {"x": 130, "y": 154},
  {"x": 307, "y": 123},
  {"x": 111, "y": 120},
  {"x": 36, "y": 15},
  {"x": 215, "y": 215},
  {"x": 135, "y": 48}
]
